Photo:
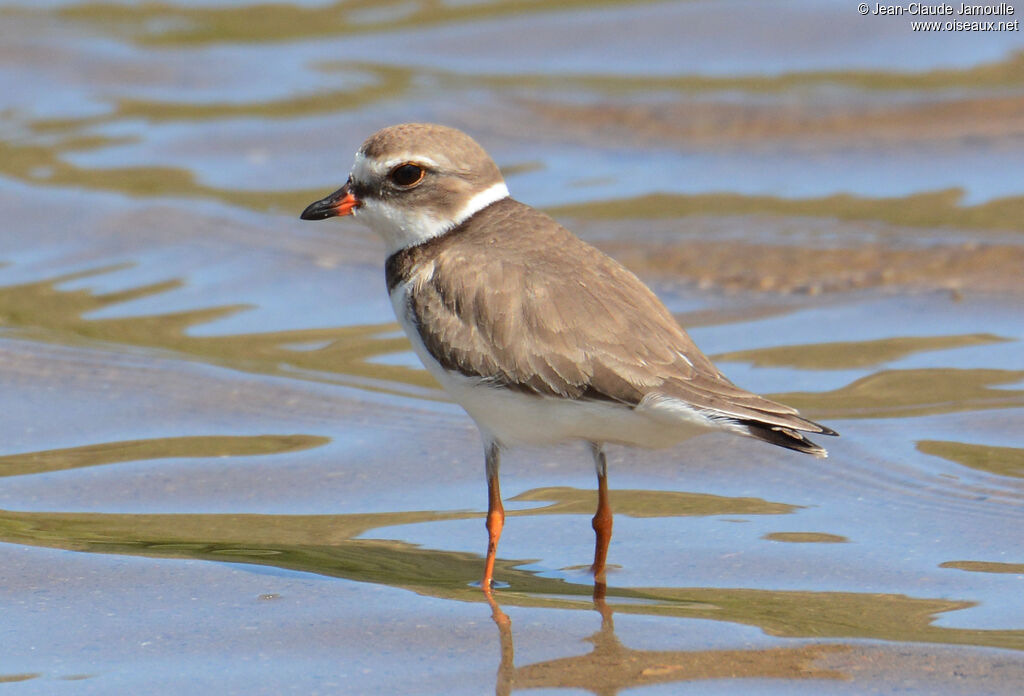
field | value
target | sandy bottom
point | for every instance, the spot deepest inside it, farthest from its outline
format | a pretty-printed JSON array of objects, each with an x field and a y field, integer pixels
[{"x": 223, "y": 471}]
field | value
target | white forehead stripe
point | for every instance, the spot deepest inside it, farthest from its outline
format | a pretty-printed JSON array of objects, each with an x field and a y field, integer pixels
[
  {"x": 409, "y": 157},
  {"x": 367, "y": 169},
  {"x": 362, "y": 168}
]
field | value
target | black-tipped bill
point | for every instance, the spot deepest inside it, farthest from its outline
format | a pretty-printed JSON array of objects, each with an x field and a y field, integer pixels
[{"x": 341, "y": 202}]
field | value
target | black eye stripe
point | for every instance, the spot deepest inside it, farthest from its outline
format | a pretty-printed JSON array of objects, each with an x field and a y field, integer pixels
[
  {"x": 361, "y": 191},
  {"x": 406, "y": 175}
]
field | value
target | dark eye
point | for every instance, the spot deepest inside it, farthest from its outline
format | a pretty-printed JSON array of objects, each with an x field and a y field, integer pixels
[{"x": 407, "y": 174}]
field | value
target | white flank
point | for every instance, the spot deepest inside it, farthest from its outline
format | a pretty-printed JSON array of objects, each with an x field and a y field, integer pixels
[
  {"x": 514, "y": 418},
  {"x": 676, "y": 412}
]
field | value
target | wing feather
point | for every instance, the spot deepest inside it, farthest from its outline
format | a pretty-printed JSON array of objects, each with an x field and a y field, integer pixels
[{"x": 511, "y": 309}]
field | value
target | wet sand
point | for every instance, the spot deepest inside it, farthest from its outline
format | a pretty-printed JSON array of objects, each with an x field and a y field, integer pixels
[{"x": 222, "y": 469}]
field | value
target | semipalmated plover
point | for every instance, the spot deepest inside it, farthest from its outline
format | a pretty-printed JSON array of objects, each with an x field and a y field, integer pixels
[{"x": 538, "y": 335}]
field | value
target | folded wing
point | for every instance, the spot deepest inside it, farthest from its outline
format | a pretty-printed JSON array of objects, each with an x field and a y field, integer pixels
[{"x": 530, "y": 320}]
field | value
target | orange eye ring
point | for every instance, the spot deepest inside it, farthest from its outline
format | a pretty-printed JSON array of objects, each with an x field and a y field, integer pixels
[{"x": 407, "y": 175}]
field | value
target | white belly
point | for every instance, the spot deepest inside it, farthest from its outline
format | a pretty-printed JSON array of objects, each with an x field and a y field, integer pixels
[{"x": 512, "y": 417}]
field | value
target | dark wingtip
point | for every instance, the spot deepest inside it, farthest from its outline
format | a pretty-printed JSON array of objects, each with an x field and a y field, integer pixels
[
  {"x": 808, "y": 426},
  {"x": 786, "y": 437}
]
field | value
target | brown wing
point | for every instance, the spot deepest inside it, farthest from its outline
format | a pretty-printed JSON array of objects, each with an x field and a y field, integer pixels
[{"x": 545, "y": 313}]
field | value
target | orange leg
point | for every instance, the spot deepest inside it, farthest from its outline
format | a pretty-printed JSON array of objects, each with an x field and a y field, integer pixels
[
  {"x": 495, "y": 514},
  {"x": 602, "y": 522}
]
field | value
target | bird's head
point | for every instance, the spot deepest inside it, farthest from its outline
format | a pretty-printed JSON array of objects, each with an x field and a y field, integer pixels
[{"x": 413, "y": 182}]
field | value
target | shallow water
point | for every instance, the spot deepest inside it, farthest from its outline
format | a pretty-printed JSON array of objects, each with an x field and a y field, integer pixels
[{"x": 222, "y": 469}]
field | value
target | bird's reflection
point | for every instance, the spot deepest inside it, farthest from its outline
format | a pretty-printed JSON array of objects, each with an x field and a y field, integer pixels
[
  {"x": 506, "y": 668},
  {"x": 611, "y": 666}
]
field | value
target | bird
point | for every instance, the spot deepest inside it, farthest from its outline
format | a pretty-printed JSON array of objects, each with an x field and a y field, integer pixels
[{"x": 539, "y": 336}]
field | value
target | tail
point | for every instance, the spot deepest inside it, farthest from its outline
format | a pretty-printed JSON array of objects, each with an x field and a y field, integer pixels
[
  {"x": 717, "y": 401},
  {"x": 786, "y": 437}
]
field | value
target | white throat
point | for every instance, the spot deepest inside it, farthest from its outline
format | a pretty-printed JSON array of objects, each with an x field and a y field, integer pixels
[{"x": 403, "y": 226}]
